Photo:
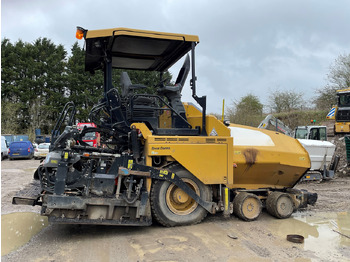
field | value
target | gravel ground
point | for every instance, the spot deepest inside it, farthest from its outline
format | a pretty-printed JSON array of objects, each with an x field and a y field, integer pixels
[{"x": 215, "y": 239}]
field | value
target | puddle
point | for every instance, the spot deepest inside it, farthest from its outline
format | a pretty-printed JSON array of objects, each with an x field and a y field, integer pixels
[
  {"x": 324, "y": 233},
  {"x": 18, "y": 228}
]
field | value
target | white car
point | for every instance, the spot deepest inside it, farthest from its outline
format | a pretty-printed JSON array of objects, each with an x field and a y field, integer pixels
[
  {"x": 41, "y": 150},
  {"x": 4, "y": 148}
]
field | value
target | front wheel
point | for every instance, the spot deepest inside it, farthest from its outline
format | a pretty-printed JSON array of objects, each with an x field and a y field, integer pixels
[{"x": 171, "y": 206}]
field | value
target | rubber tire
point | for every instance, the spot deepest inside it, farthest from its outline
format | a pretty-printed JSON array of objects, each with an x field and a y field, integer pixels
[
  {"x": 160, "y": 210},
  {"x": 36, "y": 174},
  {"x": 275, "y": 207},
  {"x": 238, "y": 205}
]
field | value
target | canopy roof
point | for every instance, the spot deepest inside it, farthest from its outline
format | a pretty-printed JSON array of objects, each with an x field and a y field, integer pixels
[{"x": 135, "y": 49}]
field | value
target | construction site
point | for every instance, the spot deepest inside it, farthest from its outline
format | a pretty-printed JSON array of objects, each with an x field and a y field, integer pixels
[{"x": 168, "y": 182}]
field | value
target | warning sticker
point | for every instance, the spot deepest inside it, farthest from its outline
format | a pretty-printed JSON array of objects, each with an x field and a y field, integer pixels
[{"x": 213, "y": 132}]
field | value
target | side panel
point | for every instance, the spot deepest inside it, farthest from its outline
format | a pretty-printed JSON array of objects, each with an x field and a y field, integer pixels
[
  {"x": 266, "y": 159},
  {"x": 208, "y": 158},
  {"x": 342, "y": 127}
]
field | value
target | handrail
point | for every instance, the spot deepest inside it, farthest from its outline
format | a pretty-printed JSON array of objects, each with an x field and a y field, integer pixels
[
  {"x": 67, "y": 107},
  {"x": 162, "y": 100}
]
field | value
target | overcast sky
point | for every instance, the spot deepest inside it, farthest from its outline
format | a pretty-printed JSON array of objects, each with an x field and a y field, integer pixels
[{"x": 245, "y": 46}]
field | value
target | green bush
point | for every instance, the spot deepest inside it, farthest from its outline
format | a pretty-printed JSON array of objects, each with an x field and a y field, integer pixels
[{"x": 302, "y": 118}]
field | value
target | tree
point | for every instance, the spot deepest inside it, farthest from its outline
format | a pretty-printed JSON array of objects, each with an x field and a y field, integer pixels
[
  {"x": 83, "y": 88},
  {"x": 339, "y": 75},
  {"x": 33, "y": 76},
  {"x": 247, "y": 111},
  {"x": 249, "y": 104},
  {"x": 337, "y": 78},
  {"x": 9, "y": 117},
  {"x": 49, "y": 83},
  {"x": 326, "y": 98},
  {"x": 285, "y": 101}
]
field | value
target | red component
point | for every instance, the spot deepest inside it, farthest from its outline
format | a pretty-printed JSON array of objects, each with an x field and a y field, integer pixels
[
  {"x": 28, "y": 149},
  {"x": 95, "y": 139},
  {"x": 116, "y": 181}
]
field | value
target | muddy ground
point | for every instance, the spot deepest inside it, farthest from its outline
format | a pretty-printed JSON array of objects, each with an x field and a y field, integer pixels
[{"x": 215, "y": 239}]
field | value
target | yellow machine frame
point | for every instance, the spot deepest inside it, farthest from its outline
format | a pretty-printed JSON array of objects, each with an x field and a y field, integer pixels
[
  {"x": 218, "y": 160},
  {"x": 340, "y": 126}
]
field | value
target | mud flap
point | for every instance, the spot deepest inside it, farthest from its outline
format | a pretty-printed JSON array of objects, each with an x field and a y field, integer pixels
[{"x": 143, "y": 204}]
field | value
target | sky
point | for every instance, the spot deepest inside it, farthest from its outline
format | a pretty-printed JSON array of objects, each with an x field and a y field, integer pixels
[{"x": 246, "y": 46}]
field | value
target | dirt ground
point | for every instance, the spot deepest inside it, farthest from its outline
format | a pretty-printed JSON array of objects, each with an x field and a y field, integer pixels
[{"x": 215, "y": 239}]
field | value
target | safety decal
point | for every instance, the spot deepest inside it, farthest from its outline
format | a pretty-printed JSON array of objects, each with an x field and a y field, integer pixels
[{"x": 213, "y": 132}]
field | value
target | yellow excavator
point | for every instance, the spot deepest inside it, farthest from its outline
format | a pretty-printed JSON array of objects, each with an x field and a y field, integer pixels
[
  {"x": 160, "y": 158},
  {"x": 341, "y": 112}
]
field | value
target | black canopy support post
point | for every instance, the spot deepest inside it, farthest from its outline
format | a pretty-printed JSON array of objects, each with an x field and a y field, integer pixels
[
  {"x": 160, "y": 77},
  {"x": 107, "y": 70},
  {"x": 202, "y": 101},
  {"x": 69, "y": 108},
  {"x": 194, "y": 78}
]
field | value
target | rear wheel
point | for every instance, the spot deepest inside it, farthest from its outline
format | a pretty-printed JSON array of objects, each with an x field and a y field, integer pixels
[
  {"x": 247, "y": 206},
  {"x": 171, "y": 206},
  {"x": 279, "y": 205}
]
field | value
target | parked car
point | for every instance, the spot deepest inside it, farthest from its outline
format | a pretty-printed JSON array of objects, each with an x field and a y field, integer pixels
[
  {"x": 4, "y": 148},
  {"x": 23, "y": 149},
  {"x": 41, "y": 150}
]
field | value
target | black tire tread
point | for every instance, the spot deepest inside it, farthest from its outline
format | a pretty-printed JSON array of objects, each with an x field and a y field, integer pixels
[
  {"x": 154, "y": 212},
  {"x": 237, "y": 205},
  {"x": 156, "y": 184},
  {"x": 271, "y": 206}
]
